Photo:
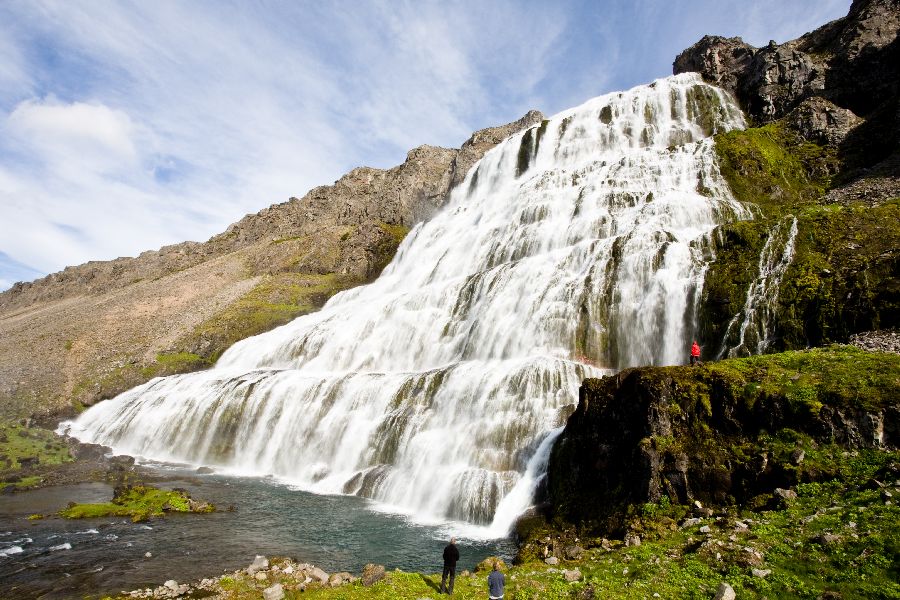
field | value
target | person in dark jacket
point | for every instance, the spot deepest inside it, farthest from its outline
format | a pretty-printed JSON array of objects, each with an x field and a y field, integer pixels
[
  {"x": 495, "y": 583},
  {"x": 451, "y": 555}
]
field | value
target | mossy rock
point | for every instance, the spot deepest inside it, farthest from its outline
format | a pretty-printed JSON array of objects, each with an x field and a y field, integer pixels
[{"x": 140, "y": 503}]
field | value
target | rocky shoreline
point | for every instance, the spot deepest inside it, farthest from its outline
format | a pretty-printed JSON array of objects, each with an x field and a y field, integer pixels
[{"x": 271, "y": 578}]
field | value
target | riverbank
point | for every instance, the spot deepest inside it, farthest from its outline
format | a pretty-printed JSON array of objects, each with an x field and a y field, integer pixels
[{"x": 831, "y": 540}]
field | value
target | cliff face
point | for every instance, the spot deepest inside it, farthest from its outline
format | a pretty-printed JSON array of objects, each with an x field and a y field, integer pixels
[
  {"x": 728, "y": 432},
  {"x": 837, "y": 85},
  {"x": 91, "y": 331},
  {"x": 825, "y": 152}
]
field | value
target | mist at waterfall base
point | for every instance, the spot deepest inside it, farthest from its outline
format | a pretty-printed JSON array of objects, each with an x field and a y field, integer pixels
[
  {"x": 572, "y": 249},
  {"x": 57, "y": 558}
]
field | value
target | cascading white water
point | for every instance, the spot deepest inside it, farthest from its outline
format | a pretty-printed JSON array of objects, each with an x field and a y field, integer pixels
[
  {"x": 748, "y": 332},
  {"x": 435, "y": 389}
]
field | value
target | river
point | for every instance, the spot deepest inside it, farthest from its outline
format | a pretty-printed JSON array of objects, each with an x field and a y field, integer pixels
[{"x": 57, "y": 558}]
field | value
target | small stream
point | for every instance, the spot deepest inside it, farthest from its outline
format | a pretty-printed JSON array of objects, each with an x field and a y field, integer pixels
[{"x": 56, "y": 558}]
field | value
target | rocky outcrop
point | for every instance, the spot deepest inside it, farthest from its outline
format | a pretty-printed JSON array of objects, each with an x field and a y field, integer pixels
[
  {"x": 837, "y": 85},
  {"x": 720, "y": 434},
  {"x": 851, "y": 62},
  {"x": 94, "y": 330}
]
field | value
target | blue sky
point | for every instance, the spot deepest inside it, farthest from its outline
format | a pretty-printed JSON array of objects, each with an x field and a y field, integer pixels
[{"x": 125, "y": 126}]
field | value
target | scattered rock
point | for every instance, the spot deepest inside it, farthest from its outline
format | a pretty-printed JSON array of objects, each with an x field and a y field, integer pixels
[
  {"x": 761, "y": 573},
  {"x": 828, "y": 539},
  {"x": 632, "y": 540},
  {"x": 259, "y": 563},
  {"x": 690, "y": 522},
  {"x": 261, "y": 576},
  {"x": 573, "y": 575},
  {"x": 372, "y": 574},
  {"x": 317, "y": 573},
  {"x": 276, "y": 592},
  {"x": 148, "y": 555},
  {"x": 573, "y": 552},
  {"x": 725, "y": 592},
  {"x": 885, "y": 340},
  {"x": 487, "y": 565},
  {"x": 797, "y": 456},
  {"x": 705, "y": 529},
  {"x": 551, "y": 560}
]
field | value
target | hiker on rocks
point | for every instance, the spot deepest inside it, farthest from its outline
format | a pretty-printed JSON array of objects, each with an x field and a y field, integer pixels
[
  {"x": 695, "y": 353},
  {"x": 451, "y": 555},
  {"x": 495, "y": 583}
]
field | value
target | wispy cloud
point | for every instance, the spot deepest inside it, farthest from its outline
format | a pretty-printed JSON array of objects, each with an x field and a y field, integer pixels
[{"x": 128, "y": 125}]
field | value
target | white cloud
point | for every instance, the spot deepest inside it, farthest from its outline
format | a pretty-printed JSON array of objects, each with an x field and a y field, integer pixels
[{"x": 88, "y": 135}]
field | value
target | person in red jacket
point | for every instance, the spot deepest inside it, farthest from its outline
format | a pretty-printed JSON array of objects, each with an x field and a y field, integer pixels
[{"x": 695, "y": 353}]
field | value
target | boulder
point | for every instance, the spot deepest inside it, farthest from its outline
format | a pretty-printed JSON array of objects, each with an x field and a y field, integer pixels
[
  {"x": 725, "y": 592},
  {"x": 487, "y": 565},
  {"x": 574, "y": 552},
  {"x": 572, "y": 575},
  {"x": 551, "y": 560},
  {"x": 317, "y": 573},
  {"x": 276, "y": 592},
  {"x": 372, "y": 574},
  {"x": 259, "y": 563}
]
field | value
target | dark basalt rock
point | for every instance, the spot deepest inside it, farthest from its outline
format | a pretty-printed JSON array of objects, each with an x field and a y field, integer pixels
[{"x": 689, "y": 434}]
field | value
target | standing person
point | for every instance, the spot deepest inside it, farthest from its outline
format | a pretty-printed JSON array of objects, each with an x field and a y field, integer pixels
[
  {"x": 695, "y": 353},
  {"x": 495, "y": 583},
  {"x": 451, "y": 555}
]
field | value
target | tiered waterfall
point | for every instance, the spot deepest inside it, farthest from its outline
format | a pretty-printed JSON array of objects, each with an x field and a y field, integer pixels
[{"x": 571, "y": 249}]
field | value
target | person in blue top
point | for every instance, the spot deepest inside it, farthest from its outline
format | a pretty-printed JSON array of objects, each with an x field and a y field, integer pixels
[{"x": 495, "y": 583}]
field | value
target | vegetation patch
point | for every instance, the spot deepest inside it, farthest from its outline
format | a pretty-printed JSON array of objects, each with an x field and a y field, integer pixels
[
  {"x": 775, "y": 169},
  {"x": 277, "y": 300},
  {"x": 25, "y": 452},
  {"x": 140, "y": 503},
  {"x": 845, "y": 274}
]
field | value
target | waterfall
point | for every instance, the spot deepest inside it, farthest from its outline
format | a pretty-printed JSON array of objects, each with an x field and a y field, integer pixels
[
  {"x": 571, "y": 249},
  {"x": 749, "y": 331}
]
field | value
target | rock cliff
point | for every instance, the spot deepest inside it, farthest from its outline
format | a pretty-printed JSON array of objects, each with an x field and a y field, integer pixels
[
  {"x": 725, "y": 433},
  {"x": 94, "y": 330},
  {"x": 824, "y": 151}
]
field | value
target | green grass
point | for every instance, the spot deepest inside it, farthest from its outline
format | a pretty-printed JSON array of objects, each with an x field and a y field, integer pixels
[
  {"x": 842, "y": 376},
  {"x": 41, "y": 447},
  {"x": 139, "y": 502}
]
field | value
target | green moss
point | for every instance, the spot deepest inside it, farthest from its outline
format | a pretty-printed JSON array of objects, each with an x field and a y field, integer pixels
[
  {"x": 33, "y": 446},
  {"x": 139, "y": 503},
  {"x": 526, "y": 152},
  {"x": 774, "y": 168},
  {"x": 842, "y": 376},
  {"x": 845, "y": 272}
]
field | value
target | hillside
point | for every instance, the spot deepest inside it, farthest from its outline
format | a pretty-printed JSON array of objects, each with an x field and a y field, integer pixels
[{"x": 92, "y": 331}]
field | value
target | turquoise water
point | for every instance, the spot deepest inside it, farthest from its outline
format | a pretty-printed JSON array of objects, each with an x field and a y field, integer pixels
[{"x": 71, "y": 559}]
